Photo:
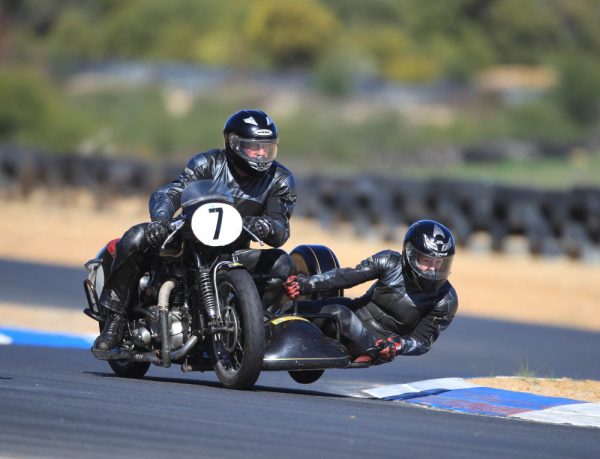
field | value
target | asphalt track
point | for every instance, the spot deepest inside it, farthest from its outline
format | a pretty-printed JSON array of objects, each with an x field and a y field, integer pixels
[{"x": 64, "y": 403}]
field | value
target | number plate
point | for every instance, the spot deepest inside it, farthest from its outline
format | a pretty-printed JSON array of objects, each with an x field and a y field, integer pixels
[{"x": 216, "y": 224}]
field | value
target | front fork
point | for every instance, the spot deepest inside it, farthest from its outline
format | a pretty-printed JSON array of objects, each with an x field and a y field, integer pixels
[
  {"x": 216, "y": 326},
  {"x": 206, "y": 279}
]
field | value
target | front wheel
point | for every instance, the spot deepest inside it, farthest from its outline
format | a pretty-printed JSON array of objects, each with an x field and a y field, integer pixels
[{"x": 238, "y": 354}]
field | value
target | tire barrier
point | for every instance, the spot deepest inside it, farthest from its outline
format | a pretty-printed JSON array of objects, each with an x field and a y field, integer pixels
[
  {"x": 548, "y": 223},
  {"x": 22, "y": 171},
  {"x": 544, "y": 222}
]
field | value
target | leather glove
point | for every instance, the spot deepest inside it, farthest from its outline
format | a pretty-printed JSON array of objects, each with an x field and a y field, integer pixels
[
  {"x": 260, "y": 226},
  {"x": 294, "y": 285},
  {"x": 156, "y": 233},
  {"x": 389, "y": 347}
]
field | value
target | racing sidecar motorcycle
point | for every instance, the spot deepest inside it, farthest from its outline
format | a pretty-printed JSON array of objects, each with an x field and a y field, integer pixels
[{"x": 198, "y": 307}]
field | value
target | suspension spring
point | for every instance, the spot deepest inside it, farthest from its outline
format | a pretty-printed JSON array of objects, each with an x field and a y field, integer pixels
[{"x": 208, "y": 294}]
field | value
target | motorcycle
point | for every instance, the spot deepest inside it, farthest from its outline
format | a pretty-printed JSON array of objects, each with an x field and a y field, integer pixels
[{"x": 198, "y": 307}]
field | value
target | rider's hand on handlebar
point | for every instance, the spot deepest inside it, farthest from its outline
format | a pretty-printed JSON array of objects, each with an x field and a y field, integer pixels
[
  {"x": 295, "y": 285},
  {"x": 260, "y": 226},
  {"x": 292, "y": 287},
  {"x": 156, "y": 233}
]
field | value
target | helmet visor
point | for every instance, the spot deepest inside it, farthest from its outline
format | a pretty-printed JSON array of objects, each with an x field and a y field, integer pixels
[
  {"x": 428, "y": 266},
  {"x": 259, "y": 153}
]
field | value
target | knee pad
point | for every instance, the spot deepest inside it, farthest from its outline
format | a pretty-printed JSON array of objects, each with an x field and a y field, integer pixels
[{"x": 134, "y": 239}]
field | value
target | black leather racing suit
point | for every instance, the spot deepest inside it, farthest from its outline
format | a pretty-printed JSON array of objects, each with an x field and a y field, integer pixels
[
  {"x": 271, "y": 195},
  {"x": 393, "y": 305}
]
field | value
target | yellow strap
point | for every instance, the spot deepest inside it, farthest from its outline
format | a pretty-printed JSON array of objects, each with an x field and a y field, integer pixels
[{"x": 286, "y": 318}]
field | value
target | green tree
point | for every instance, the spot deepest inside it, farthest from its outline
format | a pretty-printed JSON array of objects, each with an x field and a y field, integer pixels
[
  {"x": 578, "y": 91},
  {"x": 27, "y": 101},
  {"x": 32, "y": 112},
  {"x": 291, "y": 33},
  {"x": 150, "y": 29}
]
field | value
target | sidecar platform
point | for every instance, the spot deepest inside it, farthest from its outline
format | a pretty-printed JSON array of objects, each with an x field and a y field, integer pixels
[{"x": 294, "y": 343}]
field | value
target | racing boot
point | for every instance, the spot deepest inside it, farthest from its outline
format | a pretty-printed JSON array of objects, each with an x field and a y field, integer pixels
[
  {"x": 365, "y": 359},
  {"x": 112, "y": 333}
]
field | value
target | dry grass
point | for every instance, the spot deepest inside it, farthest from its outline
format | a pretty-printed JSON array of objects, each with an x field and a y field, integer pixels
[{"x": 585, "y": 390}]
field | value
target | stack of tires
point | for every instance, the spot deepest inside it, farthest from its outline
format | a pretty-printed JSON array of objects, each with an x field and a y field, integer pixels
[{"x": 546, "y": 222}]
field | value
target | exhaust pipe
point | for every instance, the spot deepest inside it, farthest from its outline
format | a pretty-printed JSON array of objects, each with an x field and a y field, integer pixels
[
  {"x": 163, "y": 308},
  {"x": 190, "y": 343},
  {"x": 148, "y": 356}
]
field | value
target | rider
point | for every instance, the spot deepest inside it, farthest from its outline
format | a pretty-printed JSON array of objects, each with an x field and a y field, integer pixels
[
  {"x": 407, "y": 307},
  {"x": 264, "y": 194}
]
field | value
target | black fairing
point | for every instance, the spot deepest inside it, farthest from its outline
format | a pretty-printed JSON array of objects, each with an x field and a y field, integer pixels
[
  {"x": 294, "y": 343},
  {"x": 202, "y": 191}
]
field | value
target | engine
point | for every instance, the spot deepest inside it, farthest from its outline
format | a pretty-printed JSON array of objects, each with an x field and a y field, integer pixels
[{"x": 146, "y": 331}]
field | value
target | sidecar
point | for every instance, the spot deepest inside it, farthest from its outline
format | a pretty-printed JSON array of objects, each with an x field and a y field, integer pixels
[{"x": 293, "y": 342}]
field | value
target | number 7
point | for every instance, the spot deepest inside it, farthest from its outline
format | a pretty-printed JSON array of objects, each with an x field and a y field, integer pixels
[{"x": 219, "y": 221}]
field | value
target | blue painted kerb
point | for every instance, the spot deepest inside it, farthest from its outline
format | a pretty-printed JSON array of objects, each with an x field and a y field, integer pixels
[
  {"x": 488, "y": 401},
  {"x": 36, "y": 338}
]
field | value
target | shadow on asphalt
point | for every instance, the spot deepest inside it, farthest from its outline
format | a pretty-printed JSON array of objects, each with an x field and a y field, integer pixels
[{"x": 216, "y": 385}]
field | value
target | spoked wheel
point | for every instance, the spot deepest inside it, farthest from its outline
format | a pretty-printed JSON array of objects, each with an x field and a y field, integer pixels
[
  {"x": 126, "y": 369},
  {"x": 306, "y": 376},
  {"x": 238, "y": 353}
]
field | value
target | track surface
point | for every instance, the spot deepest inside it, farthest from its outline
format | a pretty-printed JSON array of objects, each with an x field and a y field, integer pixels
[
  {"x": 64, "y": 403},
  {"x": 31, "y": 283}
]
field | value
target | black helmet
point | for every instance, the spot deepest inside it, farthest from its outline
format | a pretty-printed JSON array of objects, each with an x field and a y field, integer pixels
[
  {"x": 427, "y": 254},
  {"x": 251, "y": 141}
]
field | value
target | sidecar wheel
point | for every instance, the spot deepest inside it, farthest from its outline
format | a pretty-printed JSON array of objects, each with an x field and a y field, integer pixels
[
  {"x": 125, "y": 369},
  {"x": 306, "y": 376},
  {"x": 243, "y": 347}
]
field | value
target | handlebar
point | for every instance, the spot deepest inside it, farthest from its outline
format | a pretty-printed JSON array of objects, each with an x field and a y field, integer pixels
[
  {"x": 174, "y": 226},
  {"x": 255, "y": 238}
]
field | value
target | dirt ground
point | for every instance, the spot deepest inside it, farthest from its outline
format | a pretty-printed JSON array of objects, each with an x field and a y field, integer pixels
[
  {"x": 585, "y": 390},
  {"x": 69, "y": 229}
]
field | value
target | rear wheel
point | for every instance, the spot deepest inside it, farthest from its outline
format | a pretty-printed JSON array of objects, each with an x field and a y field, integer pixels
[
  {"x": 126, "y": 369},
  {"x": 306, "y": 376},
  {"x": 121, "y": 368},
  {"x": 238, "y": 354}
]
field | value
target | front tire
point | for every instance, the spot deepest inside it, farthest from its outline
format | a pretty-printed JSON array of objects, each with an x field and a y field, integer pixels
[{"x": 243, "y": 347}]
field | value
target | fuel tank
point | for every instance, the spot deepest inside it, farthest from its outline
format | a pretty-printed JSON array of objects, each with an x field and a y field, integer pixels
[{"x": 295, "y": 343}]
